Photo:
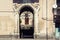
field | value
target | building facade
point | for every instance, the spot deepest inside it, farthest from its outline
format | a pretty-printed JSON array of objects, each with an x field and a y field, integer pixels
[{"x": 28, "y": 18}]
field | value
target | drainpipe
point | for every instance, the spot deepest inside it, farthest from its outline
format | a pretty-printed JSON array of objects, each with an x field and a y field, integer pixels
[{"x": 46, "y": 20}]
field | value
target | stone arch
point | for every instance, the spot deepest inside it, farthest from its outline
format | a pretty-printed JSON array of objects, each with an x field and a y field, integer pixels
[{"x": 28, "y": 9}]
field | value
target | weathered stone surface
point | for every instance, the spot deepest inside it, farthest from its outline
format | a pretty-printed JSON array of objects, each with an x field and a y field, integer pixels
[{"x": 9, "y": 17}]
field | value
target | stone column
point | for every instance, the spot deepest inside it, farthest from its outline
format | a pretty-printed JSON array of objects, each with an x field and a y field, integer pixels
[{"x": 36, "y": 22}]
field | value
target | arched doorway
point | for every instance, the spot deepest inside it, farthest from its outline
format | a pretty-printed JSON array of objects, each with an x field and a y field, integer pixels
[{"x": 26, "y": 22}]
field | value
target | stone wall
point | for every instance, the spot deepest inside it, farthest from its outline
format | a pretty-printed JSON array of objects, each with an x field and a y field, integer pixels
[{"x": 9, "y": 18}]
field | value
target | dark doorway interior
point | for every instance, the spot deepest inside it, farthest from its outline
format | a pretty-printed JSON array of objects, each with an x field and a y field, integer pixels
[{"x": 26, "y": 31}]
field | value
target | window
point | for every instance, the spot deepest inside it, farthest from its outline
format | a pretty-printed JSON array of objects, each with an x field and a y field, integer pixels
[
  {"x": 57, "y": 15},
  {"x": 58, "y": 3},
  {"x": 26, "y": 19},
  {"x": 25, "y": 1}
]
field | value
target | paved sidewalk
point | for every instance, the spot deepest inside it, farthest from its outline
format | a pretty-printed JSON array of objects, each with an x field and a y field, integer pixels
[{"x": 23, "y": 39}]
